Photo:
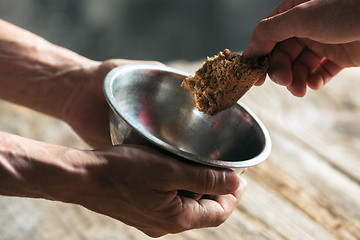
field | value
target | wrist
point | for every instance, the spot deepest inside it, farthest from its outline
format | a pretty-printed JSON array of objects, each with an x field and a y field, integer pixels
[
  {"x": 35, "y": 169},
  {"x": 59, "y": 78}
]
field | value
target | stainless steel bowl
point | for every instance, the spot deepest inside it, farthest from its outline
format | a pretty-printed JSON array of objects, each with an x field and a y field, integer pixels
[{"x": 148, "y": 101}]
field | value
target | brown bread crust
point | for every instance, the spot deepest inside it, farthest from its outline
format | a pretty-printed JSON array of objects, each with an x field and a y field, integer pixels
[{"x": 223, "y": 80}]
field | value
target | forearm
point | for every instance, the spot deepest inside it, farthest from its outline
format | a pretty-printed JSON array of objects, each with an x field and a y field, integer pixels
[
  {"x": 38, "y": 170},
  {"x": 36, "y": 73},
  {"x": 113, "y": 181}
]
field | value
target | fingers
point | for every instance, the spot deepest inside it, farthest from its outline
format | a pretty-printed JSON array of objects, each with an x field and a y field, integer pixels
[
  {"x": 294, "y": 65},
  {"x": 234, "y": 198},
  {"x": 282, "y": 57},
  {"x": 322, "y": 73},
  {"x": 205, "y": 180},
  {"x": 298, "y": 85},
  {"x": 306, "y": 65},
  {"x": 275, "y": 29},
  {"x": 210, "y": 213},
  {"x": 301, "y": 69}
]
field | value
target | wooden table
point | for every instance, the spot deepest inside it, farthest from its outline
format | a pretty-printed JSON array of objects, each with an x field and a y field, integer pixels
[{"x": 309, "y": 188}]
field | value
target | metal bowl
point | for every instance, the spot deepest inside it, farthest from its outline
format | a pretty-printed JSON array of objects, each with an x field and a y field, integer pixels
[{"x": 148, "y": 101}]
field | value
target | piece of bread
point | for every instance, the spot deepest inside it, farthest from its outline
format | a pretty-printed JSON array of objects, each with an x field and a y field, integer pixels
[{"x": 223, "y": 79}]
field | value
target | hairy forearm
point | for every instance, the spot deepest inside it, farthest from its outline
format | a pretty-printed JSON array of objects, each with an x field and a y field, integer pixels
[
  {"x": 36, "y": 73},
  {"x": 38, "y": 170}
]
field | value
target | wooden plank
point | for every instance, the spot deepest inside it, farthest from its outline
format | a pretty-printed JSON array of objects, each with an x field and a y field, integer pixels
[
  {"x": 316, "y": 176},
  {"x": 326, "y": 120},
  {"x": 279, "y": 214},
  {"x": 337, "y": 213}
]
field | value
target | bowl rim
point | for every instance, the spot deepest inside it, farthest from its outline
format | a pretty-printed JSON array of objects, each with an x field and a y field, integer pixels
[{"x": 107, "y": 86}]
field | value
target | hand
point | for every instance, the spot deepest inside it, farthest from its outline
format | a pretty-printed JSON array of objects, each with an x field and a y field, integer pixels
[
  {"x": 85, "y": 108},
  {"x": 133, "y": 184},
  {"x": 310, "y": 40},
  {"x": 56, "y": 81},
  {"x": 140, "y": 188}
]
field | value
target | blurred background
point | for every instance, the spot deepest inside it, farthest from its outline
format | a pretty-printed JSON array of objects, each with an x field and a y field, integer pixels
[
  {"x": 161, "y": 30},
  {"x": 309, "y": 188}
]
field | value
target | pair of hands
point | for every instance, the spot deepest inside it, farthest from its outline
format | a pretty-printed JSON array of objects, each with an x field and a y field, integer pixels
[
  {"x": 310, "y": 41},
  {"x": 133, "y": 183}
]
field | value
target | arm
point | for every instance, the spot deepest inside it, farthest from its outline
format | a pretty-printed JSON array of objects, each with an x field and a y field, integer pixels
[
  {"x": 55, "y": 81},
  {"x": 134, "y": 185},
  {"x": 36, "y": 73},
  {"x": 310, "y": 42}
]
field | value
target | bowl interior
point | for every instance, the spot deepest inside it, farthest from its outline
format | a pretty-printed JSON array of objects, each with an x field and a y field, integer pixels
[{"x": 152, "y": 102}]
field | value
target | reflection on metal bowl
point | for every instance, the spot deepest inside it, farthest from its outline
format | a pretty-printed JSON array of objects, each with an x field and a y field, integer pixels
[{"x": 148, "y": 101}]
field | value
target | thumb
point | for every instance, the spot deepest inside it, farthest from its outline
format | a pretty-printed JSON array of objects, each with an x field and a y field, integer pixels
[
  {"x": 275, "y": 29},
  {"x": 212, "y": 181}
]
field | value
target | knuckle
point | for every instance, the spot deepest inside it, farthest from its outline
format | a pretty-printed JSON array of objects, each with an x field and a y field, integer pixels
[
  {"x": 209, "y": 179},
  {"x": 165, "y": 170},
  {"x": 170, "y": 171},
  {"x": 183, "y": 222},
  {"x": 221, "y": 219},
  {"x": 179, "y": 223}
]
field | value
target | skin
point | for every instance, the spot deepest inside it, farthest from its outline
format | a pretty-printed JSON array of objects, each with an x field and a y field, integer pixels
[
  {"x": 310, "y": 41},
  {"x": 131, "y": 183}
]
